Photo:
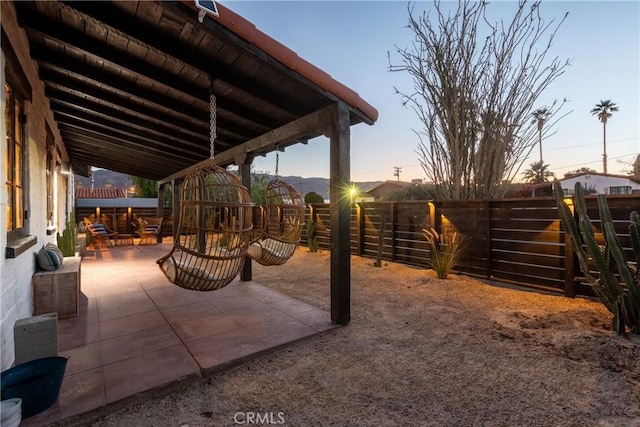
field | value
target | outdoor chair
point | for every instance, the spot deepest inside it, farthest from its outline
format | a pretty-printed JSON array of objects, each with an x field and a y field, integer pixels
[
  {"x": 100, "y": 233},
  {"x": 148, "y": 230}
]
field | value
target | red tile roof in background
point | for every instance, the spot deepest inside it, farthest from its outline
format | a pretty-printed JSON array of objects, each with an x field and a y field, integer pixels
[{"x": 101, "y": 193}]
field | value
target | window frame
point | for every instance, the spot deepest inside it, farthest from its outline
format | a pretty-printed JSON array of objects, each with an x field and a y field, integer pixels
[
  {"x": 620, "y": 190},
  {"x": 17, "y": 223}
]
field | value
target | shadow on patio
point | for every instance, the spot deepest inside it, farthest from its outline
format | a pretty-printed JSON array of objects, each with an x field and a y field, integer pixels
[{"x": 136, "y": 332}]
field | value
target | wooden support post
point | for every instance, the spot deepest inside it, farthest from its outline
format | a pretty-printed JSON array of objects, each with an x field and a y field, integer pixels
[
  {"x": 245, "y": 172},
  {"x": 175, "y": 191},
  {"x": 340, "y": 177},
  {"x": 160, "y": 209}
]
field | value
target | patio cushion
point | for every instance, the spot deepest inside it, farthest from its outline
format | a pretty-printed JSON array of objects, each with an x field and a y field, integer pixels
[
  {"x": 271, "y": 247},
  {"x": 98, "y": 228},
  {"x": 50, "y": 257}
]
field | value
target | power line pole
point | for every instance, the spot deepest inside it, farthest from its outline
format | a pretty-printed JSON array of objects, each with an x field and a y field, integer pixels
[{"x": 396, "y": 172}]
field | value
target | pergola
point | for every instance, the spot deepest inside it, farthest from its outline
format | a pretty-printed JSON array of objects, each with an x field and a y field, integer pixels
[{"x": 129, "y": 85}]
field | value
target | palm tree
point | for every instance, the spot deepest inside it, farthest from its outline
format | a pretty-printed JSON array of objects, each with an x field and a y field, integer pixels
[
  {"x": 603, "y": 110},
  {"x": 538, "y": 173},
  {"x": 539, "y": 117}
]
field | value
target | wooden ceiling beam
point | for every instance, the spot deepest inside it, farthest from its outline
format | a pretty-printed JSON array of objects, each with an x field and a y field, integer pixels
[
  {"x": 146, "y": 147},
  {"x": 88, "y": 79},
  {"x": 127, "y": 126},
  {"x": 91, "y": 143},
  {"x": 71, "y": 39},
  {"x": 173, "y": 47},
  {"x": 311, "y": 124}
]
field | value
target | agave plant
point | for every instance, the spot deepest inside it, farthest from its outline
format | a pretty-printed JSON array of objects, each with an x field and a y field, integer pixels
[{"x": 445, "y": 251}]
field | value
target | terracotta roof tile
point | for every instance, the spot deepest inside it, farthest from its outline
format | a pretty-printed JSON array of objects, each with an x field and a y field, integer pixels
[{"x": 101, "y": 193}]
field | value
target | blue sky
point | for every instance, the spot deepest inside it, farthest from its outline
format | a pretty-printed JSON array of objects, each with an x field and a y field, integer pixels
[{"x": 350, "y": 41}]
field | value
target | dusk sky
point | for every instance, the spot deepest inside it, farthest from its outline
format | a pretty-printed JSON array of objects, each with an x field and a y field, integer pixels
[{"x": 351, "y": 40}]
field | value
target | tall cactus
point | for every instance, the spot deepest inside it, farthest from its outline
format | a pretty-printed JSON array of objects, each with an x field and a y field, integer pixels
[
  {"x": 67, "y": 240},
  {"x": 610, "y": 259}
]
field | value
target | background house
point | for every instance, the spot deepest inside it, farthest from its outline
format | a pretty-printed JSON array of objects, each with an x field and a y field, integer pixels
[
  {"x": 600, "y": 183},
  {"x": 592, "y": 183},
  {"x": 384, "y": 188}
]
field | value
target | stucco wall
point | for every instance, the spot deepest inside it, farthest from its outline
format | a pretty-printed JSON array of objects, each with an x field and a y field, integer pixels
[
  {"x": 16, "y": 295},
  {"x": 599, "y": 182}
]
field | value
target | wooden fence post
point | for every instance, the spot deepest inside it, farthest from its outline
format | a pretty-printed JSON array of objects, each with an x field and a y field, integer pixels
[
  {"x": 360, "y": 219},
  {"x": 488, "y": 236},
  {"x": 570, "y": 288},
  {"x": 393, "y": 230}
]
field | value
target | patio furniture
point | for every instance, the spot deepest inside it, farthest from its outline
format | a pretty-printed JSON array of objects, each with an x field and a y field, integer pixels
[
  {"x": 100, "y": 233},
  {"x": 215, "y": 225},
  {"x": 148, "y": 230},
  {"x": 281, "y": 225},
  {"x": 124, "y": 240}
]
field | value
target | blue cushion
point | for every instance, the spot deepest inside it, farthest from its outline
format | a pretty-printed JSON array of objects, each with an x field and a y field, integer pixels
[
  {"x": 98, "y": 228},
  {"x": 50, "y": 257}
]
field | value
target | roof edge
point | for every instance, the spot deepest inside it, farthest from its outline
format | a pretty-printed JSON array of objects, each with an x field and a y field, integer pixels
[{"x": 250, "y": 33}]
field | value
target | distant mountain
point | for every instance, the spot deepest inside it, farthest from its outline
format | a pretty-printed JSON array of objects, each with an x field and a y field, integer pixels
[
  {"x": 104, "y": 178},
  {"x": 318, "y": 185}
]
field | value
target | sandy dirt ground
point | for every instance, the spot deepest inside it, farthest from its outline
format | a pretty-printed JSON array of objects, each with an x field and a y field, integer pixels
[{"x": 419, "y": 352}]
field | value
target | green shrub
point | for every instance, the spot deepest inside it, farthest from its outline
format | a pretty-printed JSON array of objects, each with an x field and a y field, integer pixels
[
  {"x": 313, "y": 197},
  {"x": 312, "y": 236}
]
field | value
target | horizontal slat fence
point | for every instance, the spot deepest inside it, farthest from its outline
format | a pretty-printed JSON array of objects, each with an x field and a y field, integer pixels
[
  {"x": 123, "y": 221},
  {"x": 519, "y": 241}
]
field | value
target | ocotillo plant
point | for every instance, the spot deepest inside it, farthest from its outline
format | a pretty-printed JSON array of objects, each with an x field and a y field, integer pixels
[{"x": 610, "y": 260}]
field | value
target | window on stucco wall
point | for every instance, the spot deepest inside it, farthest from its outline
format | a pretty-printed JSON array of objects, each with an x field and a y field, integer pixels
[
  {"x": 50, "y": 171},
  {"x": 16, "y": 220}
]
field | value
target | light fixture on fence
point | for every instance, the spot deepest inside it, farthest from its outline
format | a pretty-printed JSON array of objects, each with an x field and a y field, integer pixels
[{"x": 569, "y": 202}]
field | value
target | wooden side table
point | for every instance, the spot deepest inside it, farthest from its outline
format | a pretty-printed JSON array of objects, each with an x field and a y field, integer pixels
[{"x": 124, "y": 240}]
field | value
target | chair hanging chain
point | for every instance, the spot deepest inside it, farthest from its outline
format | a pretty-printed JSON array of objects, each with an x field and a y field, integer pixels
[
  {"x": 212, "y": 121},
  {"x": 277, "y": 160}
]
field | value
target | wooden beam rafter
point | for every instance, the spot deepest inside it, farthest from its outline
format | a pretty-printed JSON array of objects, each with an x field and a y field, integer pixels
[{"x": 311, "y": 124}]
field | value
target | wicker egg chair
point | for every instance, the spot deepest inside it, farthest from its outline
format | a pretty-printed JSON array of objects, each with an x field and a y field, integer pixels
[
  {"x": 282, "y": 221},
  {"x": 215, "y": 227},
  {"x": 214, "y": 232}
]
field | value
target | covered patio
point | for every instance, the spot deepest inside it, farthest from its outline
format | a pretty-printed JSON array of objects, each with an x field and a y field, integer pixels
[
  {"x": 136, "y": 333},
  {"x": 155, "y": 88}
]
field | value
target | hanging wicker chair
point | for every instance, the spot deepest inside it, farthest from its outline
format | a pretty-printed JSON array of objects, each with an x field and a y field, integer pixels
[
  {"x": 282, "y": 222},
  {"x": 214, "y": 232}
]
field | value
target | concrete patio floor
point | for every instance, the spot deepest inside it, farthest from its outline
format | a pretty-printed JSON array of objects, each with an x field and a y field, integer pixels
[{"x": 136, "y": 332}]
